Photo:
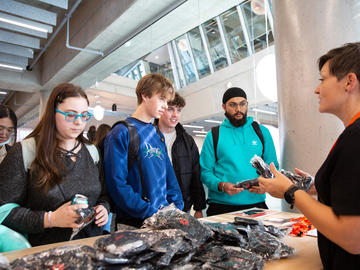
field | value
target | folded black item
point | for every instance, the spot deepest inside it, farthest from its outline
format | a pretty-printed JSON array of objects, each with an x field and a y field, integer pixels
[
  {"x": 86, "y": 216},
  {"x": 303, "y": 182},
  {"x": 261, "y": 167},
  {"x": 247, "y": 184}
]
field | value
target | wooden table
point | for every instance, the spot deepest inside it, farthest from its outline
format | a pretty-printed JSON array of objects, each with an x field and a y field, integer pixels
[{"x": 307, "y": 255}]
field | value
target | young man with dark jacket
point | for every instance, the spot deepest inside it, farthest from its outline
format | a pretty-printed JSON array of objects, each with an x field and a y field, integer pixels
[{"x": 184, "y": 156}]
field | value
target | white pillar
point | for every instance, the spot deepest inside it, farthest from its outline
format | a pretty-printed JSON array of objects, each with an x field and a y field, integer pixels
[{"x": 304, "y": 30}]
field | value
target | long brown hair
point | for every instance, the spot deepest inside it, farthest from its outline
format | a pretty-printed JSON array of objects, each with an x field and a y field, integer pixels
[{"x": 48, "y": 165}]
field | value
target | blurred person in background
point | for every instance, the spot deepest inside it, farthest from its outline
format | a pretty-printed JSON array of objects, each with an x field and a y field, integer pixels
[
  {"x": 8, "y": 124},
  {"x": 91, "y": 134},
  {"x": 101, "y": 133}
]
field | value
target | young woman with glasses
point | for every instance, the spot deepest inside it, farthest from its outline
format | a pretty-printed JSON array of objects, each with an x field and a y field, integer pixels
[
  {"x": 62, "y": 167},
  {"x": 8, "y": 123}
]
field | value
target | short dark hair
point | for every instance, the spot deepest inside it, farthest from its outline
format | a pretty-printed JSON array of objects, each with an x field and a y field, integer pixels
[
  {"x": 152, "y": 84},
  {"x": 178, "y": 101},
  {"x": 342, "y": 60},
  {"x": 7, "y": 112}
]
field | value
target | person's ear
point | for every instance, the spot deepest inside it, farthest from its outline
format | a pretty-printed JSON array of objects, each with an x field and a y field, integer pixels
[
  {"x": 351, "y": 81},
  {"x": 224, "y": 107},
  {"x": 144, "y": 97}
]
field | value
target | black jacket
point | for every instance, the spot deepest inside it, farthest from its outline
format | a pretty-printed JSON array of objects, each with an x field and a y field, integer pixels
[{"x": 185, "y": 160}]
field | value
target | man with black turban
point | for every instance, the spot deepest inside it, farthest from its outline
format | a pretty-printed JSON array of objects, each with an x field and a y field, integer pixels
[{"x": 226, "y": 154}]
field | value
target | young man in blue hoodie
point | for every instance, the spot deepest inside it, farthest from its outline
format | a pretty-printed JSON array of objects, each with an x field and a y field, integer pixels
[
  {"x": 238, "y": 142},
  {"x": 134, "y": 199}
]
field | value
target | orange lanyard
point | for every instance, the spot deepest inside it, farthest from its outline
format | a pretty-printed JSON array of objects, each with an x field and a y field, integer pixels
[{"x": 351, "y": 121}]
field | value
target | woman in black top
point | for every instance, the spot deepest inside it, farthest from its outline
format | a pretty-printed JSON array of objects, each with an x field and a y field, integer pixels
[
  {"x": 336, "y": 214},
  {"x": 8, "y": 123},
  {"x": 63, "y": 165}
]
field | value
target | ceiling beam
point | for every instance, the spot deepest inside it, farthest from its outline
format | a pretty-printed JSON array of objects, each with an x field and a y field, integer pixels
[
  {"x": 57, "y": 3},
  {"x": 20, "y": 29},
  {"x": 7, "y": 17},
  {"x": 19, "y": 39},
  {"x": 13, "y": 59},
  {"x": 16, "y": 50},
  {"x": 28, "y": 11}
]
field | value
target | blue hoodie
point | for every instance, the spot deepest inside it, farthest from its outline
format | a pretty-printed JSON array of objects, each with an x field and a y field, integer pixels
[
  {"x": 125, "y": 187},
  {"x": 236, "y": 146}
]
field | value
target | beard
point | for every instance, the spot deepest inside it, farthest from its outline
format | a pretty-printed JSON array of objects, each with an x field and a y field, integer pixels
[{"x": 237, "y": 122}]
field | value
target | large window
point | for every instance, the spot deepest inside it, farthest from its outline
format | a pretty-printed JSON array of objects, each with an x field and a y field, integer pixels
[
  {"x": 234, "y": 35},
  {"x": 258, "y": 25},
  {"x": 198, "y": 49},
  {"x": 220, "y": 41},
  {"x": 216, "y": 47},
  {"x": 183, "y": 48}
]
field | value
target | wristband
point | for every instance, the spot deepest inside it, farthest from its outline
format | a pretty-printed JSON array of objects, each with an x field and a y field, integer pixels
[
  {"x": 222, "y": 187},
  {"x": 49, "y": 219}
]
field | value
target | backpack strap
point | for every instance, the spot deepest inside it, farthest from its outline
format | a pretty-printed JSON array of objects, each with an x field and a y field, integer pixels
[
  {"x": 28, "y": 147},
  {"x": 256, "y": 127},
  {"x": 162, "y": 139},
  {"x": 93, "y": 152},
  {"x": 134, "y": 142},
  {"x": 133, "y": 151},
  {"x": 258, "y": 132},
  {"x": 215, "y": 136}
]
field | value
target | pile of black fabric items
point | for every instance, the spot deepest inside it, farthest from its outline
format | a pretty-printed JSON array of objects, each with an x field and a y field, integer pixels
[
  {"x": 171, "y": 239},
  {"x": 263, "y": 169},
  {"x": 252, "y": 236}
]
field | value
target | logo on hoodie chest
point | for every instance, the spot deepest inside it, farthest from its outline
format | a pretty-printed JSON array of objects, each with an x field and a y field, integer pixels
[
  {"x": 153, "y": 152},
  {"x": 254, "y": 142}
]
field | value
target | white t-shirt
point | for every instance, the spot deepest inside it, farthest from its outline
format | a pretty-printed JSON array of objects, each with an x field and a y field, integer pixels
[{"x": 169, "y": 141}]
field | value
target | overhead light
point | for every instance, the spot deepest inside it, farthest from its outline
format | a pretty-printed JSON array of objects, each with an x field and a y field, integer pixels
[
  {"x": 24, "y": 25},
  {"x": 11, "y": 67},
  {"x": 200, "y": 135},
  {"x": 128, "y": 44},
  {"x": 97, "y": 96},
  {"x": 3, "y": 93},
  {"x": 183, "y": 46},
  {"x": 156, "y": 57},
  {"x": 213, "y": 121},
  {"x": 257, "y": 6},
  {"x": 200, "y": 131},
  {"x": 263, "y": 111},
  {"x": 99, "y": 112},
  {"x": 191, "y": 126}
]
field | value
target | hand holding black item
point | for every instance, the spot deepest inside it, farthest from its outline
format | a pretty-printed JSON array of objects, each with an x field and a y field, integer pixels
[{"x": 302, "y": 180}]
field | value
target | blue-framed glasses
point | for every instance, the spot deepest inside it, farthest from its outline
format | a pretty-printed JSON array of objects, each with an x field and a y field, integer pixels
[{"x": 71, "y": 117}]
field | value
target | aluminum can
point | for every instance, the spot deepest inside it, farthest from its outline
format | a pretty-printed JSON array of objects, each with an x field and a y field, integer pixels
[{"x": 79, "y": 199}]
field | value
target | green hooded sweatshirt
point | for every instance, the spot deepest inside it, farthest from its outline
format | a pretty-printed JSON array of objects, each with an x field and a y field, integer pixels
[{"x": 236, "y": 147}]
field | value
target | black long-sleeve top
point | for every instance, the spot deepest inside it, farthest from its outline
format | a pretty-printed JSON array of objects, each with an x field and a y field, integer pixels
[{"x": 82, "y": 176}]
